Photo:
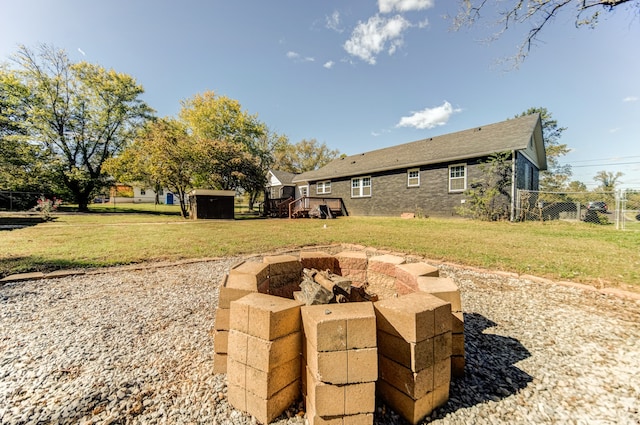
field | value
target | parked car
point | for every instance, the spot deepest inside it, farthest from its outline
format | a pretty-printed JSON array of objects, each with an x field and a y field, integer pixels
[{"x": 599, "y": 206}]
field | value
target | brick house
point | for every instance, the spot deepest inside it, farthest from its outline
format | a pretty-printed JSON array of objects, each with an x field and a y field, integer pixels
[{"x": 429, "y": 175}]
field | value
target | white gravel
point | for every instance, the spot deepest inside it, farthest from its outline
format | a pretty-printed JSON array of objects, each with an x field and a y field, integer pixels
[{"x": 126, "y": 346}]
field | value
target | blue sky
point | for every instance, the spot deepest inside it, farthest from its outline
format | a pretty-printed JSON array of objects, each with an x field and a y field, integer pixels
[{"x": 359, "y": 75}]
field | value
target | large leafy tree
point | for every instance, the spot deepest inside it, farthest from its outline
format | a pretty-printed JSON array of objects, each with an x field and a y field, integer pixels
[
  {"x": 161, "y": 155},
  {"x": 306, "y": 155},
  {"x": 80, "y": 113},
  {"x": 225, "y": 131},
  {"x": 22, "y": 165},
  {"x": 537, "y": 14},
  {"x": 557, "y": 175}
]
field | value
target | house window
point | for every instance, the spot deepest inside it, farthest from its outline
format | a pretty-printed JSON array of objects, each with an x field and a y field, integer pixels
[
  {"x": 413, "y": 177},
  {"x": 457, "y": 178},
  {"x": 160, "y": 192},
  {"x": 323, "y": 187},
  {"x": 361, "y": 187},
  {"x": 142, "y": 192},
  {"x": 304, "y": 191}
]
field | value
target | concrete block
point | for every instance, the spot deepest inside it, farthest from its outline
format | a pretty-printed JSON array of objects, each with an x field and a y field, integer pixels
[
  {"x": 337, "y": 327},
  {"x": 287, "y": 291},
  {"x": 415, "y": 356},
  {"x": 265, "y": 411},
  {"x": 413, "y": 384},
  {"x": 222, "y": 319},
  {"x": 457, "y": 366},
  {"x": 220, "y": 363},
  {"x": 267, "y": 384},
  {"x": 220, "y": 342},
  {"x": 237, "y": 397},
  {"x": 227, "y": 295},
  {"x": 248, "y": 276},
  {"x": 457, "y": 344},
  {"x": 411, "y": 410},
  {"x": 238, "y": 346},
  {"x": 343, "y": 367},
  {"x": 442, "y": 346},
  {"x": 278, "y": 281},
  {"x": 338, "y": 400},
  {"x": 413, "y": 317},
  {"x": 443, "y": 288},
  {"x": 385, "y": 264},
  {"x": 265, "y": 316},
  {"x": 442, "y": 373},
  {"x": 358, "y": 277},
  {"x": 267, "y": 355},
  {"x": 283, "y": 264},
  {"x": 382, "y": 284},
  {"x": 440, "y": 395},
  {"x": 457, "y": 322},
  {"x": 236, "y": 374},
  {"x": 351, "y": 260},
  {"x": 408, "y": 274},
  {"x": 318, "y": 260},
  {"x": 314, "y": 419}
]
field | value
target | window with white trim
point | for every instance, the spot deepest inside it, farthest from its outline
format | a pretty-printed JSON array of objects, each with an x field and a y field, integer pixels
[
  {"x": 413, "y": 177},
  {"x": 323, "y": 187},
  {"x": 457, "y": 178},
  {"x": 361, "y": 187}
]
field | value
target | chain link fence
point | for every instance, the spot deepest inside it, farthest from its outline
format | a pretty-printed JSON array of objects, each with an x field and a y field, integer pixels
[{"x": 621, "y": 208}]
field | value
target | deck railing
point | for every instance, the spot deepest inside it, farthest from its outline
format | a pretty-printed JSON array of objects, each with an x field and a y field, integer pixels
[{"x": 304, "y": 204}]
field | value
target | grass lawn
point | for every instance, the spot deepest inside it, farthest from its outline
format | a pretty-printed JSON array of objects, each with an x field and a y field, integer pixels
[{"x": 581, "y": 252}]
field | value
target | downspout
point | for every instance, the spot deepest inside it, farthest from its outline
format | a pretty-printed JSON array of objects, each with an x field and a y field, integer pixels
[{"x": 513, "y": 185}]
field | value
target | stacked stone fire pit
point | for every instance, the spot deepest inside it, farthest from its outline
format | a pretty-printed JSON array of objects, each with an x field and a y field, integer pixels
[{"x": 403, "y": 340}]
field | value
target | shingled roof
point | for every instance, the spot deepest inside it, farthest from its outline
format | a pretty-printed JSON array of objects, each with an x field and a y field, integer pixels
[
  {"x": 284, "y": 177},
  {"x": 509, "y": 135}
]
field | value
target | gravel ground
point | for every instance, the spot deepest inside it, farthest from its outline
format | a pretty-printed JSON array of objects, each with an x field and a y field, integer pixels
[{"x": 127, "y": 346}]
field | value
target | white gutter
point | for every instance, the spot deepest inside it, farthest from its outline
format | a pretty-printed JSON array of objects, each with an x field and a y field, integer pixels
[{"x": 513, "y": 185}]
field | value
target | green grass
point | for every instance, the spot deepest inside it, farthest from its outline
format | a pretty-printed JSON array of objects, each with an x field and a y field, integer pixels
[{"x": 581, "y": 252}]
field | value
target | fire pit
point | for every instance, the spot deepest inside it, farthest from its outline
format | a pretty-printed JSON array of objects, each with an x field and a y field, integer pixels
[{"x": 338, "y": 329}]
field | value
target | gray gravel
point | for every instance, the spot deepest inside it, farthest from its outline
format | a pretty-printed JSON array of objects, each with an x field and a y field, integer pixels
[{"x": 128, "y": 346}]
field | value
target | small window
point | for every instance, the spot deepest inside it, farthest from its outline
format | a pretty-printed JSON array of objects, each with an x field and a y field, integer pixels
[
  {"x": 142, "y": 192},
  {"x": 323, "y": 187},
  {"x": 160, "y": 192},
  {"x": 413, "y": 177},
  {"x": 361, "y": 187},
  {"x": 457, "y": 178},
  {"x": 304, "y": 191}
]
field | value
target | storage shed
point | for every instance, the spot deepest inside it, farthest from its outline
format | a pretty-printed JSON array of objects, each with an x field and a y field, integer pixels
[{"x": 211, "y": 204}]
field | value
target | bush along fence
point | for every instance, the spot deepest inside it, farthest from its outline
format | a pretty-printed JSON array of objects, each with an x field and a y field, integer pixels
[
  {"x": 621, "y": 207},
  {"x": 28, "y": 201}
]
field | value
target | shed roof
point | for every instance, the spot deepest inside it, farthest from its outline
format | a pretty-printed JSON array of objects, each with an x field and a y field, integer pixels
[{"x": 513, "y": 134}]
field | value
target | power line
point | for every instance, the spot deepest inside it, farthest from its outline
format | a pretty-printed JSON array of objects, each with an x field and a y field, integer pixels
[
  {"x": 607, "y": 159},
  {"x": 604, "y": 165}
]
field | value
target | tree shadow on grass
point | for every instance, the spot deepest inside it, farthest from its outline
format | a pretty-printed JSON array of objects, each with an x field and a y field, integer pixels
[
  {"x": 8, "y": 223},
  {"x": 28, "y": 264}
]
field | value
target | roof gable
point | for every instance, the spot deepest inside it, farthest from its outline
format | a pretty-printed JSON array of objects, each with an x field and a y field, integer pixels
[{"x": 509, "y": 135}]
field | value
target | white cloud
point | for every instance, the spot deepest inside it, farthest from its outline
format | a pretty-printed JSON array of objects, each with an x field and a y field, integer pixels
[
  {"x": 429, "y": 117},
  {"x": 630, "y": 99},
  {"x": 295, "y": 56},
  {"x": 333, "y": 22},
  {"x": 329, "y": 64},
  {"x": 370, "y": 38},
  {"x": 424, "y": 23},
  {"x": 388, "y": 6}
]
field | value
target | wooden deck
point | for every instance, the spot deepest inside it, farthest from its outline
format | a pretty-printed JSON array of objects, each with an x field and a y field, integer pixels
[{"x": 305, "y": 207}]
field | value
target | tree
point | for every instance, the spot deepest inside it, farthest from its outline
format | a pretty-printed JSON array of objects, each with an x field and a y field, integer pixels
[
  {"x": 490, "y": 196},
  {"x": 556, "y": 177},
  {"x": 80, "y": 113},
  {"x": 22, "y": 164},
  {"x": 162, "y": 154},
  {"x": 306, "y": 155},
  {"x": 218, "y": 122},
  {"x": 537, "y": 13},
  {"x": 608, "y": 180}
]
